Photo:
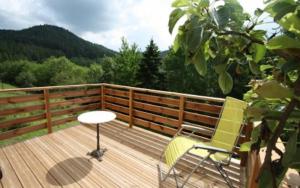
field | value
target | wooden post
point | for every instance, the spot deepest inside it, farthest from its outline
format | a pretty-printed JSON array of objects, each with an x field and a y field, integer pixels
[
  {"x": 244, "y": 155},
  {"x": 181, "y": 111},
  {"x": 102, "y": 97},
  {"x": 130, "y": 108},
  {"x": 47, "y": 110},
  {"x": 254, "y": 165}
]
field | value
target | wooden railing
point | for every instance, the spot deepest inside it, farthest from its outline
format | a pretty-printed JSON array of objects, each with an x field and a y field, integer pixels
[{"x": 31, "y": 109}]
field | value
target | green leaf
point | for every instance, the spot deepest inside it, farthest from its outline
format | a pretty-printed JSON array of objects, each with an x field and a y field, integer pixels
[
  {"x": 245, "y": 146},
  {"x": 273, "y": 89},
  {"x": 296, "y": 160},
  {"x": 258, "y": 12},
  {"x": 220, "y": 68},
  {"x": 279, "y": 8},
  {"x": 290, "y": 66},
  {"x": 255, "y": 134},
  {"x": 194, "y": 35},
  {"x": 200, "y": 63},
  {"x": 265, "y": 67},
  {"x": 225, "y": 82},
  {"x": 290, "y": 150},
  {"x": 291, "y": 22},
  {"x": 203, "y": 4},
  {"x": 223, "y": 16},
  {"x": 258, "y": 34},
  {"x": 283, "y": 42},
  {"x": 259, "y": 52},
  {"x": 254, "y": 67},
  {"x": 255, "y": 113},
  {"x": 176, "y": 44},
  {"x": 174, "y": 17},
  {"x": 265, "y": 179},
  {"x": 180, "y": 3}
]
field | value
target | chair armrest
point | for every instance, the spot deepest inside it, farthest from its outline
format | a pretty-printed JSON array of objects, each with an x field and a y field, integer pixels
[
  {"x": 212, "y": 149},
  {"x": 192, "y": 128}
]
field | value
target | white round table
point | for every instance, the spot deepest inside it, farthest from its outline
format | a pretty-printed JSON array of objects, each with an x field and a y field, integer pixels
[{"x": 96, "y": 118}]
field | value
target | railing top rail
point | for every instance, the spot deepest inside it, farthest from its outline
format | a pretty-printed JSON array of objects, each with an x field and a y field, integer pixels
[
  {"x": 213, "y": 99},
  {"x": 47, "y": 87}
]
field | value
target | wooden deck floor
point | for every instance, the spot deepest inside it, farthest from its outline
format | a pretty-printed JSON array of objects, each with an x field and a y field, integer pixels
[{"x": 59, "y": 159}]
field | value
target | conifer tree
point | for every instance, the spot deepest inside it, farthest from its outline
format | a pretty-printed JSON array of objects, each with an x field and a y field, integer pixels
[{"x": 149, "y": 75}]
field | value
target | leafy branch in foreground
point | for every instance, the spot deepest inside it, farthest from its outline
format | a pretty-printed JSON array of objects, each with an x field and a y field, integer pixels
[{"x": 220, "y": 33}]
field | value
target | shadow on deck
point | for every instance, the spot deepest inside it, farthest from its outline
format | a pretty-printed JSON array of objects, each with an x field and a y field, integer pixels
[{"x": 59, "y": 159}]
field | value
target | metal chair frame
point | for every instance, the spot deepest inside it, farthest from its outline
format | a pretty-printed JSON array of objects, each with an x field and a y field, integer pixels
[{"x": 211, "y": 150}]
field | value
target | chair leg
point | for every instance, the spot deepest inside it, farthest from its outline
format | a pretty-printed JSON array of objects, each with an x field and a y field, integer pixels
[
  {"x": 1, "y": 174},
  {"x": 223, "y": 174},
  {"x": 175, "y": 177},
  {"x": 194, "y": 169}
]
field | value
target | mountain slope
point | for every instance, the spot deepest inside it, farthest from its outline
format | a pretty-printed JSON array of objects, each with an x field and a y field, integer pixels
[{"x": 40, "y": 42}]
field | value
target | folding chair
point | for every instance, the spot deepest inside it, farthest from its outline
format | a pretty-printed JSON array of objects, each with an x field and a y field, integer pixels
[{"x": 218, "y": 151}]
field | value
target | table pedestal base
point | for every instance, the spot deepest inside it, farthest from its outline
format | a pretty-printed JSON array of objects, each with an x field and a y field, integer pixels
[{"x": 97, "y": 153}]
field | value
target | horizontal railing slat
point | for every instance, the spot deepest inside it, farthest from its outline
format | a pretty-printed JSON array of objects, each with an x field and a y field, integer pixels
[
  {"x": 13, "y": 122},
  {"x": 157, "y": 99},
  {"x": 117, "y": 108},
  {"x": 117, "y": 100},
  {"x": 76, "y": 109},
  {"x": 154, "y": 126},
  {"x": 156, "y": 109},
  {"x": 155, "y": 118},
  {"x": 19, "y": 110},
  {"x": 115, "y": 92},
  {"x": 74, "y": 93},
  {"x": 200, "y": 118},
  {"x": 21, "y": 131},
  {"x": 202, "y": 107},
  {"x": 63, "y": 121},
  {"x": 75, "y": 101},
  {"x": 20, "y": 99}
]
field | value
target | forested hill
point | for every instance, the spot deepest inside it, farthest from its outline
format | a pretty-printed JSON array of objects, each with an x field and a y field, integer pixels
[{"x": 40, "y": 42}]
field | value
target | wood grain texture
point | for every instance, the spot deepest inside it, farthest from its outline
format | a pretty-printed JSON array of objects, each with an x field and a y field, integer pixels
[
  {"x": 203, "y": 107},
  {"x": 10, "y": 123},
  {"x": 76, "y": 93},
  {"x": 21, "y": 131},
  {"x": 19, "y": 110},
  {"x": 59, "y": 159},
  {"x": 47, "y": 110},
  {"x": 21, "y": 99},
  {"x": 156, "y": 99}
]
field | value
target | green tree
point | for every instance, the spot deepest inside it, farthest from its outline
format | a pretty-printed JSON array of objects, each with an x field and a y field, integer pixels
[
  {"x": 95, "y": 73},
  {"x": 221, "y": 34},
  {"x": 9, "y": 70},
  {"x": 27, "y": 78},
  {"x": 60, "y": 71},
  {"x": 127, "y": 64},
  {"x": 109, "y": 66},
  {"x": 148, "y": 74},
  {"x": 181, "y": 77}
]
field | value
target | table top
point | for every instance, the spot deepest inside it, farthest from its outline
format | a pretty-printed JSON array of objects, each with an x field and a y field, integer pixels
[{"x": 96, "y": 117}]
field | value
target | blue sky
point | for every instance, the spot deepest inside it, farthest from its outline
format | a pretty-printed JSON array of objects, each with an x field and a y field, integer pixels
[{"x": 100, "y": 21}]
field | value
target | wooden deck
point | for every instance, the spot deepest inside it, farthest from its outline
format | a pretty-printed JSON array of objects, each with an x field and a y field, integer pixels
[{"x": 59, "y": 160}]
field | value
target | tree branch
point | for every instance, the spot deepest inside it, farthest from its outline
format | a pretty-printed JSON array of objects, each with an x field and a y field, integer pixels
[
  {"x": 272, "y": 142},
  {"x": 245, "y": 35}
]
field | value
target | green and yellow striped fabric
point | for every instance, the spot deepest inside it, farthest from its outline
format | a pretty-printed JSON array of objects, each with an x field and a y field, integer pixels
[{"x": 225, "y": 136}]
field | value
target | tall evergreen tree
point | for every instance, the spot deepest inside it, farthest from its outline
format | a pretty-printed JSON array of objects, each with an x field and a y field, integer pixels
[{"x": 149, "y": 75}]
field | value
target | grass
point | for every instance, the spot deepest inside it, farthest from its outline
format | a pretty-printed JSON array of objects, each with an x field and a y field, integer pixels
[
  {"x": 27, "y": 135},
  {"x": 35, "y": 134}
]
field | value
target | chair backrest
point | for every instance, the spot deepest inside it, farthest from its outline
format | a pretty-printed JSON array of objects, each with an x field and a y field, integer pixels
[{"x": 230, "y": 124}]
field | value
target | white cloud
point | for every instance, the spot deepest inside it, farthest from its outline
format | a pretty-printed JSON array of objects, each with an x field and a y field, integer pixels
[{"x": 100, "y": 21}]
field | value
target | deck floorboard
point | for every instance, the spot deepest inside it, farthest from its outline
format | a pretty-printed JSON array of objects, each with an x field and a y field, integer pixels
[{"x": 59, "y": 160}]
